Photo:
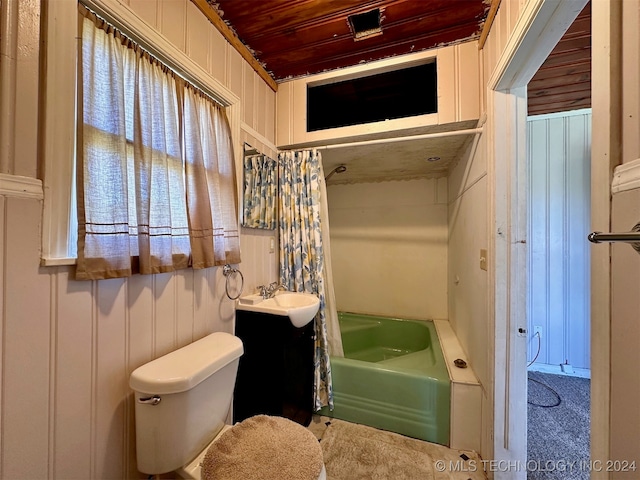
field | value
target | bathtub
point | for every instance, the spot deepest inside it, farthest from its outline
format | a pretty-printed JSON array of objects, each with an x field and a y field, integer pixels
[{"x": 393, "y": 377}]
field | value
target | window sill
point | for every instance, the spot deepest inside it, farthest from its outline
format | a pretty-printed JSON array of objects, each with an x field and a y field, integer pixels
[{"x": 57, "y": 262}]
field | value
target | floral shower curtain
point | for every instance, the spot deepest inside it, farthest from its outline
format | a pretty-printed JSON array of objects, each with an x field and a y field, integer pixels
[
  {"x": 302, "y": 257},
  {"x": 260, "y": 191}
]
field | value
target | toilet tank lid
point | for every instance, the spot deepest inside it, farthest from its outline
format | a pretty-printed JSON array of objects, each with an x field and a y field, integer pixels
[{"x": 186, "y": 367}]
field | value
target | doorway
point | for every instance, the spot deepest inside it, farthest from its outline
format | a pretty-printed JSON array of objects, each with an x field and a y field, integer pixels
[{"x": 540, "y": 27}]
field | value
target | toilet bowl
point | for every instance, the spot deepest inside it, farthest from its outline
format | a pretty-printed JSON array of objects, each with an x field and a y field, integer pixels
[{"x": 181, "y": 403}]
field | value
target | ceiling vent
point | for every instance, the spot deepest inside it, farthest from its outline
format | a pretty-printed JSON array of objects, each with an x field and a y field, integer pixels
[{"x": 365, "y": 25}]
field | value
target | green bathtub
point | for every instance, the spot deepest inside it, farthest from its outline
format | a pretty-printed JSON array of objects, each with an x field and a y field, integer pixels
[{"x": 393, "y": 377}]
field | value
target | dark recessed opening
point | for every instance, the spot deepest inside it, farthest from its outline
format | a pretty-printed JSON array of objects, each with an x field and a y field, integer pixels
[
  {"x": 365, "y": 24},
  {"x": 397, "y": 94}
]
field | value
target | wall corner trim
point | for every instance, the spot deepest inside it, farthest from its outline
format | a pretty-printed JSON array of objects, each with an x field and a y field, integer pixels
[
  {"x": 21, "y": 187},
  {"x": 626, "y": 177}
]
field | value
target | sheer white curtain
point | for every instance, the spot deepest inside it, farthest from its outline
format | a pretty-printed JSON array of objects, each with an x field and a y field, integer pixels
[
  {"x": 137, "y": 125},
  {"x": 211, "y": 182}
]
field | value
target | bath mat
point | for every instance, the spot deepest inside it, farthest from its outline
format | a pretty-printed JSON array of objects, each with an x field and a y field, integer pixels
[{"x": 358, "y": 452}]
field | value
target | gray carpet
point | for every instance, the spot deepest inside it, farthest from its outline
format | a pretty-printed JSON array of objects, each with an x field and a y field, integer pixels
[{"x": 558, "y": 436}]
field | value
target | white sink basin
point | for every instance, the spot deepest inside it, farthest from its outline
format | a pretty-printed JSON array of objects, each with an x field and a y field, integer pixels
[{"x": 298, "y": 306}]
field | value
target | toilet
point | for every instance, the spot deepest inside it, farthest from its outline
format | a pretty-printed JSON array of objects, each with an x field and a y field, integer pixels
[{"x": 181, "y": 403}]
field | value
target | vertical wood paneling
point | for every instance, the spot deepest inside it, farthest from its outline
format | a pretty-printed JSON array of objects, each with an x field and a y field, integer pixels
[
  {"x": 25, "y": 387},
  {"x": 172, "y": 20},
  {"x": 284, "y": 120},
  {"x": 625, "y": 334},
  {"x": 217, "y": 56},
  {"x": 27, "y": 64},
  {"x": 631, "y": 91},
  {"x": 270, "y": 114},
  {"x": 146, "y": 10},
  {"x": 249, "y": 95},
  {"x": 467, "y": 234},
  {"x": 579, "y": 221},
  {"x": 468, "y": 76},
  {"x": 140, "y": 321},
  {"x": 235, "y": 74},
  {"x": 67, "y": 348},
  {"x": 197, "y": 36},
  {"x": 165, "y": 313},
  {"x": 3, "y": 255},
  {"x": 447, "y": 85},
  {"x": 559, "y": 219},
  {"x": 260, "y": 105},
  {"x": 184, "y": 307},
  {"x": 201, "y": 302},
  {"x": 73, "y": 377},
  {"x": 110, "y": 378}
]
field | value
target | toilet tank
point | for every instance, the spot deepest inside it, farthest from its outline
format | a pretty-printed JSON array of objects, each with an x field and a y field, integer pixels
[{"x": 182, "y": 400}]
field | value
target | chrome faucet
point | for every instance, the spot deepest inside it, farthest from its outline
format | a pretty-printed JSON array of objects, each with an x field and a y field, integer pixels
[{"x": 271, "y": 290}]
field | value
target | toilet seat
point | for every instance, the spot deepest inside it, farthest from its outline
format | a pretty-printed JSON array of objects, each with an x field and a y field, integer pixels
[{"x": 260, "y": 447}]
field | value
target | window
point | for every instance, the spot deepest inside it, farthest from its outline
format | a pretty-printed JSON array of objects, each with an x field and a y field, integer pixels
[
  {"x": 59, "y": 143},
  {"x": 155, "y": 164}
]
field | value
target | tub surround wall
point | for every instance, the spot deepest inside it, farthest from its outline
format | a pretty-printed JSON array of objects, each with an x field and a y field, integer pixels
[
  {"x": 467, "y": 282},
  {"x": 389, "y": 247},
  {"x": 68, "y": 347},
  {"x": 466, "y": 392}
]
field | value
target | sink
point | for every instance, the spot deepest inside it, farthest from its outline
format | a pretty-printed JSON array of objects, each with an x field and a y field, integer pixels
[{"x": 300, "y": 307}]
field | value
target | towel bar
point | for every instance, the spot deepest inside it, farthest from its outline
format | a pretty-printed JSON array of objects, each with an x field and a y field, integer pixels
[{"x": 632, "y": 237}]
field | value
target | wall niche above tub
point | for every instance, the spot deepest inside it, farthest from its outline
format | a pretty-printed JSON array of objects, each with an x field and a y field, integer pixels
[
  {"x": 457, "y": 99},
  {"x": 374, "y": 97}
]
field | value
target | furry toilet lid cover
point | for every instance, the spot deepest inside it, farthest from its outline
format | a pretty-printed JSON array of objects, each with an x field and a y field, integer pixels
[{"x": 264, "y": 447}]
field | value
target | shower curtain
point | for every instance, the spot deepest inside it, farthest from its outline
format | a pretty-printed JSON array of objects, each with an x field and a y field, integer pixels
[{"x": 304, "y": 262}]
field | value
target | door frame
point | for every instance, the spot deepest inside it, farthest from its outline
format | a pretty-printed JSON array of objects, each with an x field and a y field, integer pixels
[{"x": 540, "y": 26}]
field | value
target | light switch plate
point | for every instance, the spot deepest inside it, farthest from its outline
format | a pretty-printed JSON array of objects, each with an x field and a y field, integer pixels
[{"x": 483, "y": 259}]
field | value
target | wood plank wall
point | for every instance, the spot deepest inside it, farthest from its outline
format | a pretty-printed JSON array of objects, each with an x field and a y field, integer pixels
[
  {"x": 67, "y": 348},
  {"x": 559, "y": 220}
]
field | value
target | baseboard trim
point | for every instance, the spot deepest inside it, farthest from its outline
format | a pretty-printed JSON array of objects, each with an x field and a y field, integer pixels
[{"x": 557, "y": 369}]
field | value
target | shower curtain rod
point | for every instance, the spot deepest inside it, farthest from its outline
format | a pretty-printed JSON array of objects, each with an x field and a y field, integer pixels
[{"x": 471, "y": 131}]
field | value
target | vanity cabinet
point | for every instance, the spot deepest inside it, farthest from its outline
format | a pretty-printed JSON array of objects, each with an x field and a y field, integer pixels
[{"x": 275, "y": 373}]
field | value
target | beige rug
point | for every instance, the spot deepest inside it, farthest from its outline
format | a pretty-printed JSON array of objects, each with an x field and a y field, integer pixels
[{"x": 358, "y": 452}]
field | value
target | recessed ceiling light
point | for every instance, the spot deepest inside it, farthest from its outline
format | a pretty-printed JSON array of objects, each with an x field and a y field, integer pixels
[{"x": 433, "y": 159}]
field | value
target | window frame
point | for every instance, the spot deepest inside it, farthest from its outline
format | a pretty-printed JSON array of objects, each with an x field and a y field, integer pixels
[{"x": 59, "y": 119}]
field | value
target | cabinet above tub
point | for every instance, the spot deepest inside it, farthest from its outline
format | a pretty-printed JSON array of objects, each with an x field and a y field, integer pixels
[{"x": 447, "y": 96}]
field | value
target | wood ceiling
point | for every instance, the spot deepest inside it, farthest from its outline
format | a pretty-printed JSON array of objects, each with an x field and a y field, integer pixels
[
  {"x": 285, "y": 39},
  {"x": 292, "y": 38},
  {"x": 563, "y": 82}
]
